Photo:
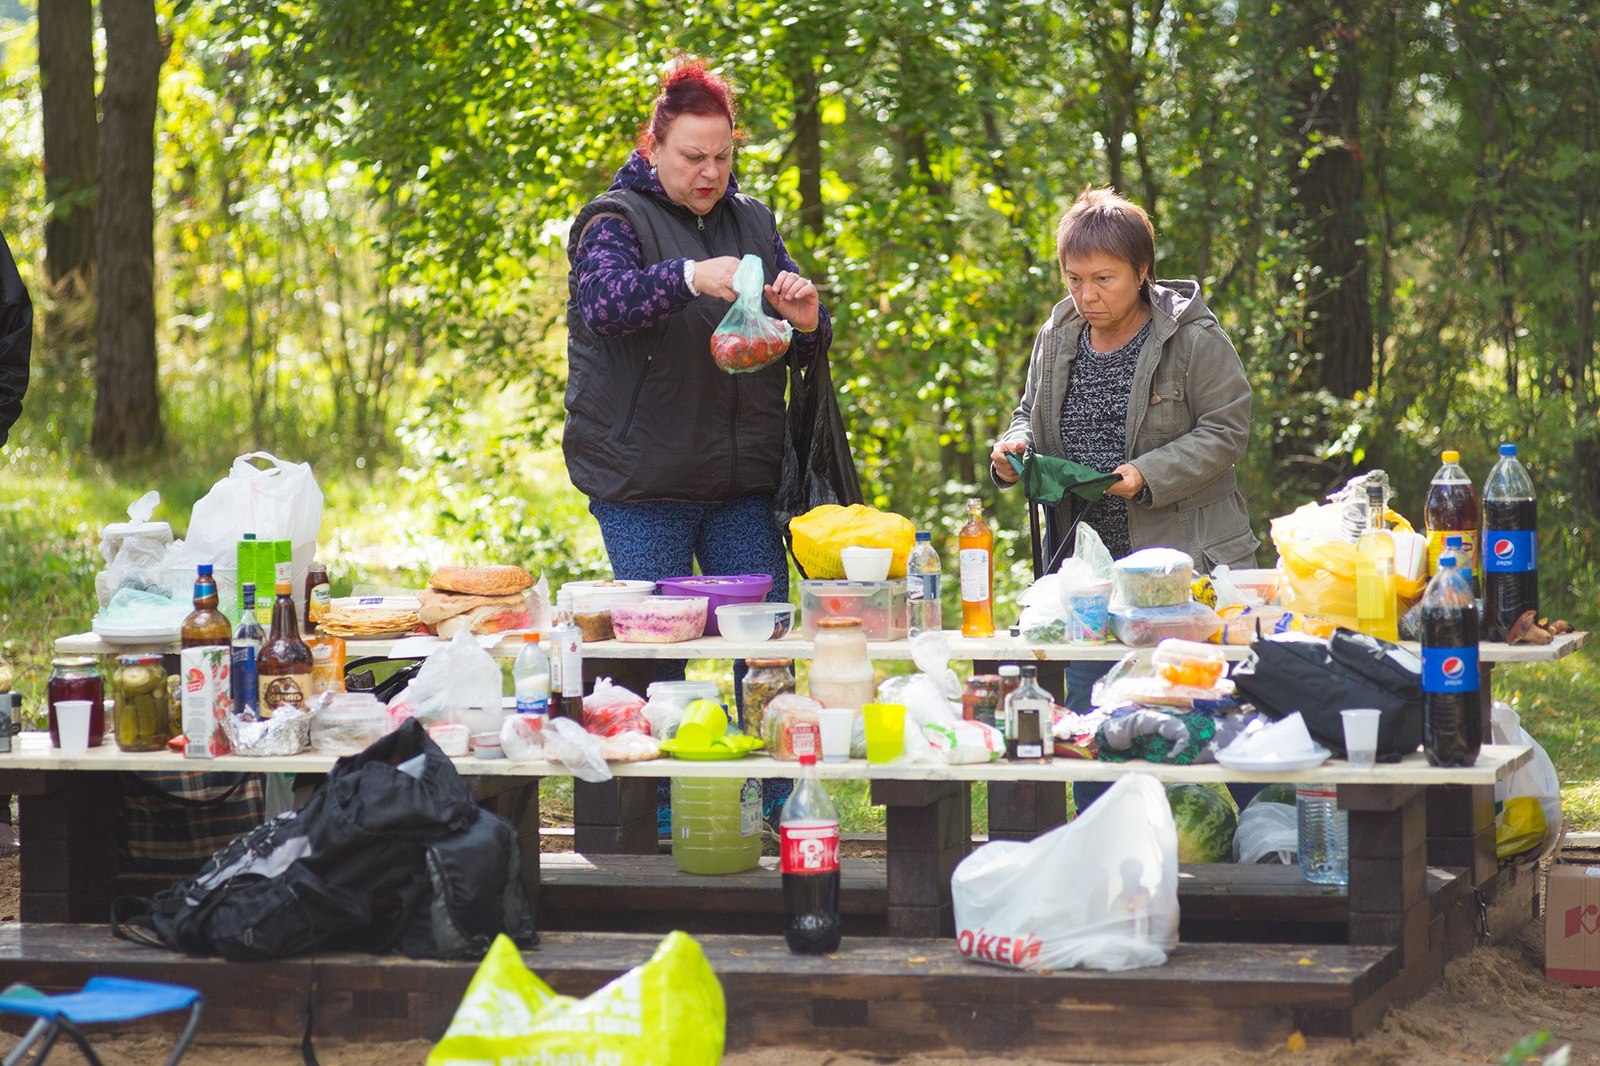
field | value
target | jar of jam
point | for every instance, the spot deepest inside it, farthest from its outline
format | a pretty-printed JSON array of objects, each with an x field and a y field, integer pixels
[
  {"x": 77, "y": 677},
  {"x": 981, "y": 699},
  {"x": 765, "y": 680},
  {"x": 139, "y": 710}
]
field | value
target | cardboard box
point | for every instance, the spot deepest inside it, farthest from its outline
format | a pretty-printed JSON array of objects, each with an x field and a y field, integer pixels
[{"x": 1572, "y": 925}]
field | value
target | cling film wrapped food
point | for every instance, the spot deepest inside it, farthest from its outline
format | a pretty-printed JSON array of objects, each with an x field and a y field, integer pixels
[{"x": 1319, "y": 568}]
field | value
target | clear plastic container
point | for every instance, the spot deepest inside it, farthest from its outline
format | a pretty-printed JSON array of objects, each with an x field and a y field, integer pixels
[
  {"x": 1152, "y": 577},
  {"x": 347, "y": 722},
  {"x": 1324, "y": 832},
  {"x": 716, "y": 824},
  {"x": 1188, "y": 662},
  {"x": 880, "y": 606}
]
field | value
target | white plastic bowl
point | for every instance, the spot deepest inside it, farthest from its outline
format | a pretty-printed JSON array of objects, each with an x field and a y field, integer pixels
[
  {"x": 866, "y": 564},
  {"x": 755, "y": 621}
]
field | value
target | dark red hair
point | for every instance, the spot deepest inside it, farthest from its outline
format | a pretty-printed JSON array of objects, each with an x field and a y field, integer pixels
[{"x": 688, "y": 88}]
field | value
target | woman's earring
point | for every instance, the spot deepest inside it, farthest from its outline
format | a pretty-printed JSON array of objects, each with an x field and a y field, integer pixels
[{"x": 652, "y": 172}]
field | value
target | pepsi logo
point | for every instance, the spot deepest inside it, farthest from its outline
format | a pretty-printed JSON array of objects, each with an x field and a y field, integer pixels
[
  {"x": 1504, "y": 549},
  {"x": 1453, "y": 667}
]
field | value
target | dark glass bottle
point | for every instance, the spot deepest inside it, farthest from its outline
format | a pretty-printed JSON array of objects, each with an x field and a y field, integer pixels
[
  {"x": 284, "y": 665},
  {"x": 205, "y": 626}
]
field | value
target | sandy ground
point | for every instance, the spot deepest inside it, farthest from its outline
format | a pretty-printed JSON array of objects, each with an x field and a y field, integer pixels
[{"x": 1485, "y": 1004}]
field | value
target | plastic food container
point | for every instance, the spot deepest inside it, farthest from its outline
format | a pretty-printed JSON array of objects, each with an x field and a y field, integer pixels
[
  {"x": 736, "y": 588},
  {"x": 880, "y": 605},
  {"x": 1152, "y": 577},
  {"x": 1141, "y": 627},
  {"x": 754, "y": 621},
  {"x": 595, "y": 625},
  {"x": 1189, "y": 663},
  {"x": 348, "y": 723},
  {"x": 660, "y": 620},
  {"x": 1264, "y": 583},
  {"x": 602, "y": 595}
]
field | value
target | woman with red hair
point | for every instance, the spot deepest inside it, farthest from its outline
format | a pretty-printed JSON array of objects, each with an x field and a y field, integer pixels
[{"x": 679, "y": 458}]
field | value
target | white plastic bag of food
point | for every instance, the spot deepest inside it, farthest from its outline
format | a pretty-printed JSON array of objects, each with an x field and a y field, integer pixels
[
  {"x": 459, "y": 682},
  {"x": 574, "y": 747},
  {"x": 279, "y": 502},
  {"x": 1268, "y": 832},
  {"x": 1099, "y": 892},
  {"x": 522, "y": 737},
  {"x": 965, "y": 742},
  {"x": 1535, "y": 778}
]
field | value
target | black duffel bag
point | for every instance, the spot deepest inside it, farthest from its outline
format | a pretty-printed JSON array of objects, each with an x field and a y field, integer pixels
[{"x": 1319, "y": 678}]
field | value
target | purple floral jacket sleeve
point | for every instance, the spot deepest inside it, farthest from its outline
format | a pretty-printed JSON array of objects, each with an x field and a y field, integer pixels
[{"x": 618, "y": 294}]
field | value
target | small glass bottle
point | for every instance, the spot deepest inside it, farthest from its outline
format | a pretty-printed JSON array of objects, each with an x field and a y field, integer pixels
[
  {"x": 1010, "y": 681},
  {"x": 1028, "y": 711},
  {"x": 981, "y": 700},
  {"x": 248, "y": 636},
  {"x": 568, "y": 641},
  {"x": 976, "y": 544},
  {"x": 319, "y": 596},
  {"x": 841, "y": 672}
]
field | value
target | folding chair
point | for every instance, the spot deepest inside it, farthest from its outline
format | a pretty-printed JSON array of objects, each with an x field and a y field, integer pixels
[
  {"x": 1046, "y": 481},
  {"x": 101, "y": 1000}
]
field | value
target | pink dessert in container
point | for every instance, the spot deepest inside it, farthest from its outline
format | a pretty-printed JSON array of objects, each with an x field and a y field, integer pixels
[
  {"x": 660, "y": 619},
  {"x": 718, "y": 591}
]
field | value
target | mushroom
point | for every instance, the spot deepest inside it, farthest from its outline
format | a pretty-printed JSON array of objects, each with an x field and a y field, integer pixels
[{"x": 1526, "y": 630}]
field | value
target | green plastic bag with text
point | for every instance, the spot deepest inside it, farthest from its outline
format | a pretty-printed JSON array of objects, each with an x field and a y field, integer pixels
[{"x": 668, "y": 1010}]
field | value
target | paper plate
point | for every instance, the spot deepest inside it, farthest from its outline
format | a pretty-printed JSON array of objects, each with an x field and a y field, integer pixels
[
  {"x": 160, "y": 634},
  {"x": 1268, "y": 764},
  {"x": 745, "y": 745}
]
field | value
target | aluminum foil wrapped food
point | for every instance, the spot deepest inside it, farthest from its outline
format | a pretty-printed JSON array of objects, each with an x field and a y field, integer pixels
[{"x": 286, "y": 733}]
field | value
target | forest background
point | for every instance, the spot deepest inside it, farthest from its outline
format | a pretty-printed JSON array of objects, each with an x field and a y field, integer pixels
[{"x": 336, "y": 231}]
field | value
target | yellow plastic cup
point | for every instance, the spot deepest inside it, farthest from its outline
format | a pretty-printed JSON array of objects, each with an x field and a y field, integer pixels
[{"x": 886, "y": 731}]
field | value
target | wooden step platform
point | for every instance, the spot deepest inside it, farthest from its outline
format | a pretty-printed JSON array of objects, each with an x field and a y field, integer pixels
[
  {"x": 875, "y": 997},
  {"x": 649, "y": 894}
]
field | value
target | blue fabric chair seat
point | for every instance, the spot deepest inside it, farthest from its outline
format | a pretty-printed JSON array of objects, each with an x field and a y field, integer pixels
[{"x": 101, "y": 1000}]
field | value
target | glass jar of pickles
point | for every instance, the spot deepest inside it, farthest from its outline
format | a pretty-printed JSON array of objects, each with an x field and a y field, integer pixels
[
  {"x": 764, "y": 680},
  {"x": 76, "y": 677},
  {"x": 139, "y": 687}
]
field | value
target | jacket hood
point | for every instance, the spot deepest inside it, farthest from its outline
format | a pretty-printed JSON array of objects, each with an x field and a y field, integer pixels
[
  {"x": 1179, "y": 301},
  {"x": 637, "y": 175}
]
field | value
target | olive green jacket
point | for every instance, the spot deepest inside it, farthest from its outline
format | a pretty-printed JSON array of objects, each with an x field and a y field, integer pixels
[{"x": 1188, "y": 424}]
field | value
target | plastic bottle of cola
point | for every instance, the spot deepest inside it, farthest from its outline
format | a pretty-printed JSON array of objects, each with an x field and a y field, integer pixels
[
  {"x": 1452, "y": 721},
  {"x": 808, "y": 842},
  {"x": 1510, "y": 545}
]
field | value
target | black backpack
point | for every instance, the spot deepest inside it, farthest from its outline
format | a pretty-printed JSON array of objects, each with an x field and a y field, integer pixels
[
  {"x": 1320, "y": 678},
  {"x": 391, "y": 852}
]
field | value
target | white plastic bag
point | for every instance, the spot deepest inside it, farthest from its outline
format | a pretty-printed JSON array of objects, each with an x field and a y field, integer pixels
[
  {"x": 1536, "y": 777},
  {"x": 1099, "y": 892},
  {"x": 460, "y": 680},
  {"x": 280, "y": 502},
  {"x": 574, "y": 747},
  {"x": 1268, "y": 832}
]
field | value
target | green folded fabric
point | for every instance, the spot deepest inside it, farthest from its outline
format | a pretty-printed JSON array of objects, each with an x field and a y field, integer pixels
[{"x": 1046, "y": 479}]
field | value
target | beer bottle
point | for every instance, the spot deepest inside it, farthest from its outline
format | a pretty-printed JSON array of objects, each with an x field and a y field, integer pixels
[
  {"x": 284, "y": 664},
  {"x": 205, "y": 626},
  {"x": 975, "y": 544}
]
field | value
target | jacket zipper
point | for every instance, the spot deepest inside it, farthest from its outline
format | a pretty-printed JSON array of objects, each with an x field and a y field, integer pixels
[{"x": 638, "y": 388}]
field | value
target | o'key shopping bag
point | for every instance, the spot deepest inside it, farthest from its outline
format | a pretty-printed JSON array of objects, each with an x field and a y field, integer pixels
[{"x": 668, "y": 1010}]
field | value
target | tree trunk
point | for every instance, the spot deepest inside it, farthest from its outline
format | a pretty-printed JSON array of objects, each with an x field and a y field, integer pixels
[
  {"x": 127, "y": 408},
  {"x": 66, "y": 78},
  {"x": 808, "y": 140},
  {"x": 1586, "y": 436},
  {"x": 1328, "y": 198}
]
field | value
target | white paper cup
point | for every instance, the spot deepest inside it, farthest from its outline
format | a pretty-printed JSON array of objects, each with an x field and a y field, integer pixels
[
  {"x": 72, "y": 725},
  {"x": 837, "y": 724},
  {"x": 1361, "y": 735}
]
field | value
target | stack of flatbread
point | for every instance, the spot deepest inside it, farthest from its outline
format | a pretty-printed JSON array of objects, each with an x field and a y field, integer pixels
[{"x": 367, "y": 617}]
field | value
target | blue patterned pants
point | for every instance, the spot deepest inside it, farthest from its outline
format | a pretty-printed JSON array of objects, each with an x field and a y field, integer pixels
[{"x": 654, "y": 539}]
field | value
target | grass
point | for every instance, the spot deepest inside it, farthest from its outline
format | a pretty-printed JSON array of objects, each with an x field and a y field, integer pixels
[{"x": 53, "y": 504}]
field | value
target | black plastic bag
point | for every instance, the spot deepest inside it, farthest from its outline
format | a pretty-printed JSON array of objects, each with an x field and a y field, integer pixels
[
  {"x": 817, "y": 467},
  {"x": 1320, "y": 678}
]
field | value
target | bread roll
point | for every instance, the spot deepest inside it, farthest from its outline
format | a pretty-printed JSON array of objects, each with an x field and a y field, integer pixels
[{"x": 482, "y": 580}]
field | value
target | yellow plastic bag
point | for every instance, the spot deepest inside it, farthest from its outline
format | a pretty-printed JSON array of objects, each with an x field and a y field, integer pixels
[
  {"x": 669, "y": 1010},
  {"x": 822, "y": 531},
  {"x": 1520, "y": 826},
  {"x": 1320, "y": 570}
]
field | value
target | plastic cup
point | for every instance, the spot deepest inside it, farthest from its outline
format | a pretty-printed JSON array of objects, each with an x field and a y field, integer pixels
[
  {"x": 72, "y": 722},
  {"x": 886, "y": 731},
  {"x": 1088, "y": 611},
  {"x": 1361, "y": 735},
  {"x": 837, "y": 724}
]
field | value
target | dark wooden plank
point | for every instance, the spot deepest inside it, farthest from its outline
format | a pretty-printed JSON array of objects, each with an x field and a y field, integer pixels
[{"x": 877, "y": 997}]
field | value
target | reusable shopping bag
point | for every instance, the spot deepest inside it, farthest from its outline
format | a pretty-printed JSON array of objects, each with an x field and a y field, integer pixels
[
  {"x": 746, "y": 339},
  {"x": 1046, "y": 479},
  {"x": 668, "y": 1010},
  {"x": 817, "y": 467},
  {"x": 1099, "y": 892}
]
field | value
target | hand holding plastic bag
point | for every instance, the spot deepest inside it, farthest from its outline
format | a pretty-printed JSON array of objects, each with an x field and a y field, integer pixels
[
  {"x": 747, "y": 339},
  {"x": 670, "y": 1009}
]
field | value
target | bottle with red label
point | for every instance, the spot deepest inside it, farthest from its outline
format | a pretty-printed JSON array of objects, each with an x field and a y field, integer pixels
[
  {"x": 1452, "y": 720},
  {"x": 808, "y": 836}
]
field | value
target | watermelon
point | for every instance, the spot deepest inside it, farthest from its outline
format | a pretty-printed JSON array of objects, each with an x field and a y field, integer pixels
[
  {"x": 1205, "y": 821},
  {"x": 1277, "y": 793}
]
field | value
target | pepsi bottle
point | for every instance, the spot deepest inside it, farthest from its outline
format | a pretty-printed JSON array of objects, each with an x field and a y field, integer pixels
[
  {"x": 1452, "y": 719},
  {"x": 1510, "y": 545}
]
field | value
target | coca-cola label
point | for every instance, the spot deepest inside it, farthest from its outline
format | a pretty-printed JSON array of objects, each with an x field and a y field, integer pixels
[
  {"x": 807, "y": 847},
  {"x": 1021, "y": 951},
  {"x": 1510, "y": 551},
  {"x": 1450, "y": 669}
]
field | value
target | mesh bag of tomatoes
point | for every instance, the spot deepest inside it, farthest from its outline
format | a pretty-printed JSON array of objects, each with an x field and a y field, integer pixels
[{"x": 747, "y": 339}]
